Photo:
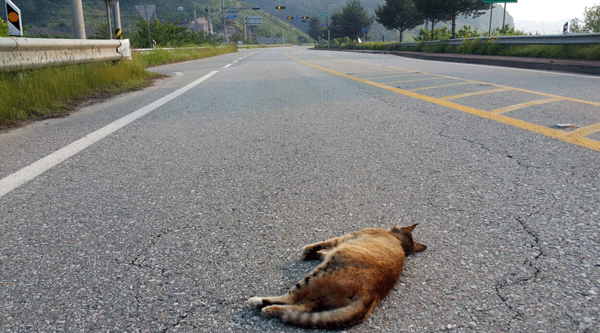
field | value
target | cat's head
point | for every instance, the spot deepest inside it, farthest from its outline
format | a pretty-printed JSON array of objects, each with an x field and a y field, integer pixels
[{"x": 404, "y": 234}]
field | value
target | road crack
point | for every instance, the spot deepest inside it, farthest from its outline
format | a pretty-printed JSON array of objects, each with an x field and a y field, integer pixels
[{"x": 530, "y": 262}]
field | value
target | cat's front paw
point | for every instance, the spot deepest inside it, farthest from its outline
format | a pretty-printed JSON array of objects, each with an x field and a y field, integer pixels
[{"x": 255, "y": 302}]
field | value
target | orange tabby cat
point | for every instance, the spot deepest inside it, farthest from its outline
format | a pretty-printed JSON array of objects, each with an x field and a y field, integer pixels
[{"x": 358, "y": 271}]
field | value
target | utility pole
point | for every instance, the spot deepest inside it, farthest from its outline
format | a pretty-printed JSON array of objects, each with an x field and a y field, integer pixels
[
  {"x": 195, "y": 18},
  {"x": 329, "y": 28},
  {"x": 223, "y": 16},
  {"x": 78, "y": 25},
  {"x": 117, "y": 17},
  {"x": 208, "y": 18},
  {"x": 108, "y": 22}
]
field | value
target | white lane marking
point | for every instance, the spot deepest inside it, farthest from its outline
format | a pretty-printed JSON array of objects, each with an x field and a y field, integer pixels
[
  {"x": 227, "y": 66},
  {"x": 35, "y": 169},
  {"x": 236, "y": 61}
]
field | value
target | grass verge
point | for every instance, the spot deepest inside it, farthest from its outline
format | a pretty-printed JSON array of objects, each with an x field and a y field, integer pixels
[
  {"x": 482, "y": 47},
  {"x": 55, "y": 92}
]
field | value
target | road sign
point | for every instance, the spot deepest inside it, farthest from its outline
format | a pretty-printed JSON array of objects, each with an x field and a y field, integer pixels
[
  {"x": 146, "y": 11},
  {"x": 498, "y": 1},
  {"x": 363, "y": 30},
  {"x": 231, "y": 16},
  {"x": 298, "y": 18},
  {"x": 322, "y": 15},
  {"x": 13, "y": 13},
  {"x": 254, "y": 20}
]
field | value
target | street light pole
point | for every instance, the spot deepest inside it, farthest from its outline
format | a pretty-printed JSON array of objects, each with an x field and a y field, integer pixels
[{"x": 78, "y": 25}]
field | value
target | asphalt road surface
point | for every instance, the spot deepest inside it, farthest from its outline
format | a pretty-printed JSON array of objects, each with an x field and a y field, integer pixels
[{"x": 163, "y": 210}]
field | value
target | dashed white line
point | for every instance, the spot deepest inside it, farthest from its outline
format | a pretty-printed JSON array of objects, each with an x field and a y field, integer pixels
[{"x": 35, "y": 169}]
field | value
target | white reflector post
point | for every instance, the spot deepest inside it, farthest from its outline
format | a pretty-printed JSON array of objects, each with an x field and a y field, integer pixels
[{"x": 13, "y": 14}]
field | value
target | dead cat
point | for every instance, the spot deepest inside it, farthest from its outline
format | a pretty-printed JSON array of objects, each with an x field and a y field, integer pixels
[{"x": 358, "y": 271}]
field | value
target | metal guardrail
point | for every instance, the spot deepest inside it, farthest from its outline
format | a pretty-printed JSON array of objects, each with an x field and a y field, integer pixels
[
  {"x": 566, "y": 39},
  {"x": 24, "y": 53}
]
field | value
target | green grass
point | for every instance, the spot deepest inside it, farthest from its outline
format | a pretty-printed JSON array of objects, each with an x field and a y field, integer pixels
[
  {"x": 54, "y": 92},
  {"x": 482, "y": 47},
  {"x": 161, "y": 56}
]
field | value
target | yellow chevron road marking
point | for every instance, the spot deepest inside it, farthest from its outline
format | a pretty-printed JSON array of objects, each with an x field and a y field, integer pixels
[{"x": 553, "y": 133}]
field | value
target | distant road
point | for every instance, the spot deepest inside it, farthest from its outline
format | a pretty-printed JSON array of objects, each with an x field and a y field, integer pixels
[{"x": 163, "y": 210}]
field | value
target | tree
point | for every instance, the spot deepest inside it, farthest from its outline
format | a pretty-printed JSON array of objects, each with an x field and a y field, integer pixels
[
  {"x": 590, "y": 23},
  {"x": 314, "y": 29},
  {"x": 166, "y": 34},
  {"x": 398, "y": 14},
  {"x": 350, "y": 20},
  {"x": 466, "y": 8},
  {"x": 467, "y": 32},
  {"x": 3, "y": 28},
  {"x": 592, "y": 18},
  {"x": 434, "y": 11},
  {"x": 439, "y": 34},
  {"x": 576, "y": 26}
]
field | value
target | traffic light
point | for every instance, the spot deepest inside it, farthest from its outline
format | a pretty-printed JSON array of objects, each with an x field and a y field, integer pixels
[
  {"x": 290, "y": 17},
  {"x": 305, "y": 17},
  {"x": 280, "y": 7}
]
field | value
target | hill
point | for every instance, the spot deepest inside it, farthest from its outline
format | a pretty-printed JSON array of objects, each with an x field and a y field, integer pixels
[
  {"x": 313, "y": 8},
  {"x": 54, "y": 16}
]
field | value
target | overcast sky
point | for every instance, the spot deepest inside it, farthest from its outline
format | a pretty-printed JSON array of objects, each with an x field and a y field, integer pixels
[{"x": 548, "y": 10}]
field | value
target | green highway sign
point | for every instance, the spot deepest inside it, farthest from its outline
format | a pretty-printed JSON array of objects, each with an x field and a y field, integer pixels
[{"x": 322, "y": 15}]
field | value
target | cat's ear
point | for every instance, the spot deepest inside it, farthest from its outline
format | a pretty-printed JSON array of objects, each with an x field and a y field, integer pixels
[
  {"x": 411, "y": 228},
  {"x": 419, "y": 247}
]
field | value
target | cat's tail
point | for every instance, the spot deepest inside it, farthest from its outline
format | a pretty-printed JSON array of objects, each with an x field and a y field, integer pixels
[{"x": 349, "y": 315}]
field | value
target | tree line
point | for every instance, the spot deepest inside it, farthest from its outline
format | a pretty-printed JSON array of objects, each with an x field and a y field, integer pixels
[{"x": 401, "y": 15}]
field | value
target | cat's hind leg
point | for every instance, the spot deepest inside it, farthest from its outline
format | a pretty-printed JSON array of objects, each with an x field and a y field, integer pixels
[
  {"x": 283, "y": 310},
  {"x": 261, "y": 302}
]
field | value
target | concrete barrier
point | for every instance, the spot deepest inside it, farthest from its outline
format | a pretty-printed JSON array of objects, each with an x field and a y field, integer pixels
[{"x": 25, "y": 53}]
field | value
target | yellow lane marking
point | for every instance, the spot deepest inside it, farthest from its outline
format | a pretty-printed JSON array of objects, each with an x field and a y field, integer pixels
[
  {"x": 389, "y": 76},
  {"x": 524, "y": 105},
  {"x": 553, "y": 133},
  {"x": 415, "y": 80},
  {"x": 585, "y": 131},
  {"x": 483, "y": 92},
  {"x": 581, "y": 101},
  {"x": 383, "y": 70},
  {"x": 366, "y": 71},
  {"x": 443, "y": 85},
  {"x": 379, "y": 71}
]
